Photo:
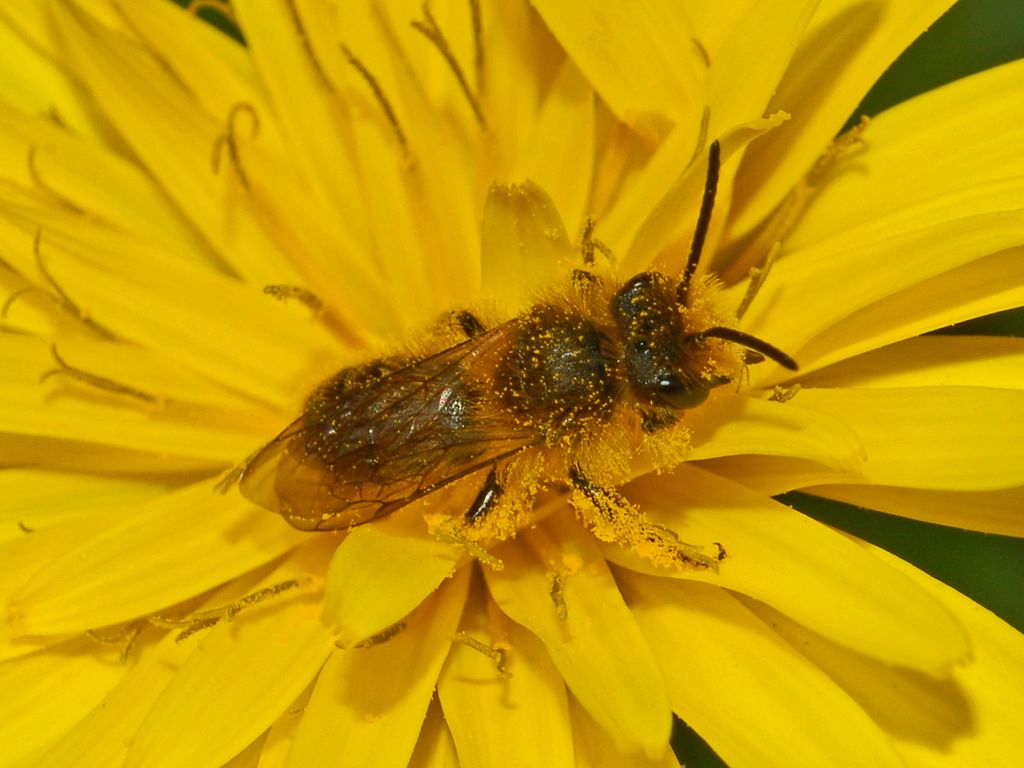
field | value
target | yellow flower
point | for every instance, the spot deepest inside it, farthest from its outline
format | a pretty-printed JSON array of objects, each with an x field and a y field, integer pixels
[{"x": 386, "y": 163}]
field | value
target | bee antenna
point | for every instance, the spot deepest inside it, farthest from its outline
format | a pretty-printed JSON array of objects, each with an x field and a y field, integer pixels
[
  {"x": 700, "y": 232},
  {"x": 748, "y": 341}
]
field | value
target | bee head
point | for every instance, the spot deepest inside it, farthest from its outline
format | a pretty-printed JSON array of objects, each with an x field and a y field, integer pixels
[
  {"x": 665, "y": 364},
  {"x": 657, "y": 353}
]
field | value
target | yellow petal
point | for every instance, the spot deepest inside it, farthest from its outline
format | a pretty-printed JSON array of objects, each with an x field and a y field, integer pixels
[
  {"x": 312, "y": 121},
  {"x": 597, "y": 647},
  {"x": 756, "y": 701},
  {"x": 942, "y": 361},
  {"x": 522, "y": 242},
  {"x": 648, "y": 181},
  {"x": 772, "y": 475},
  {"x": 517, "y": 66},
  {"x": 215, "y": 68},
  {"x": 219, "y": 74},
  {"x": 664, "y": 223},
  {"x": 804, "y": 569},
  {"x": 177, "y": 546},
  {"x": 61, "y": 408},
  {"x": 36, "y": 84},
  {"x": 594, "y": 747},
  {"x": 443, "y": 180},
  {"x": 991, "y": 284},
  {"x": 990, "y": 685},
  {"x": 746, "y": 425},
  {"x": 248, "y": 672},
  {"x": 943, "y": 438},
  {"x": 240, "y": 338},
  {"x": 559, "y": 154},
  {"x": 102, "y": 736},
  {"x": 389, "y": 219},
  {"x": 489, "y": 713},
  {"x": 33, "y": 19},
  {"x": 987, "y": 511},
  {"x": 639, "y": 58},
  {"x": 77, "y": 456},
  {"x": 966, "y": 718},
  {"x": 749, "y": 57},
  {"x": 368, "y": 703},
  {"x": 435, "y": 748},
  {"x": 962, "y": 361},
  {"x": 251, "y": 756},
  {"x": 150, "y": 372},
  {"x": 26, "y": 555},
  {"x": 38, "y": 498},
  {"x": 47, "y": 693},
  {"x": 281, "y": 734},
  {"x": 412, "y": 276},
  {"x": 884, "y": 261},
  {"x": 906, "y": 162},
  {"x": 847, "y": 46},
  {"x": 95, "y": 180},
  {"x": 381, "y": 572},
  {"x": 239, "y": 208},
  {"x": 174, "y": 138}
]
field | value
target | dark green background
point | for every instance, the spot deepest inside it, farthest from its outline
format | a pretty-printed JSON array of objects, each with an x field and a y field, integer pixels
[{"x": 973, "y": 36}]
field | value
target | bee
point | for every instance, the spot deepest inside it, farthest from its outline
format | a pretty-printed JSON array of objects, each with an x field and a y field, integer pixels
[{"x": 555, "y": 396}]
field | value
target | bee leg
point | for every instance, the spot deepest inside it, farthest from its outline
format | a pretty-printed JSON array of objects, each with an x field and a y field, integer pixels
[
  {"x": 658, "y": 419},
  {"x": 468, "y": 323},
  {"x": 486, "y": 500},
  {"x": 584, "y": 281},
  {"x": 614, "y": 519}
]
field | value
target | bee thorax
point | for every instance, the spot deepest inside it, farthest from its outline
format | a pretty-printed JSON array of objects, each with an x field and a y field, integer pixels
[{"x": 556, "y": 376}]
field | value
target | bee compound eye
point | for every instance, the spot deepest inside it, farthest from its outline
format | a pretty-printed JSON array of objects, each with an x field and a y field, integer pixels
[
  {"x": 675, "y": 392},
  {"x": 679, "y": 396}
]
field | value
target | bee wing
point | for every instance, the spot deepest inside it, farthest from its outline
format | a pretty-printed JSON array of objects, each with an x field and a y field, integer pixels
[{"x": 362, "y": 450}]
